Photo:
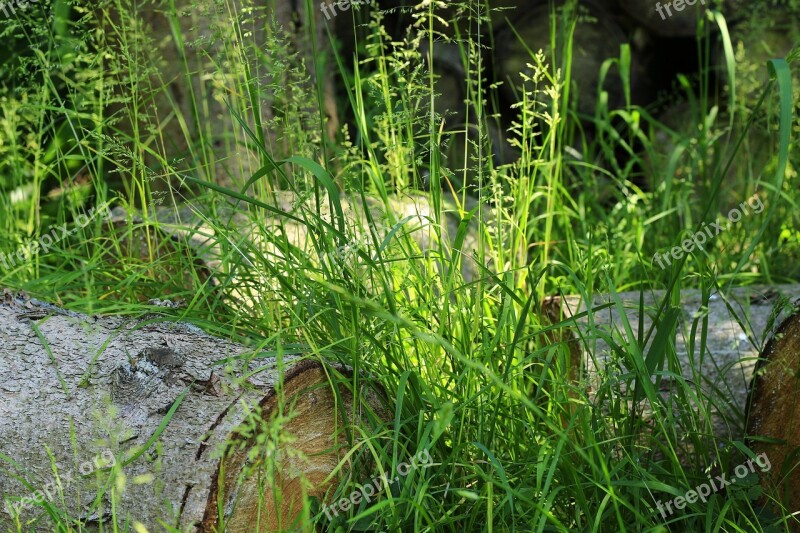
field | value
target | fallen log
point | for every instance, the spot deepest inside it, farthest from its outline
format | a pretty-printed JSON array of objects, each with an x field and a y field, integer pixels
[
  {"x": 738, "y": 324},
  {"x": 175, "y": 426},
  {"x": 773, "y": 416},
  {"x": 398, "y": 220}
]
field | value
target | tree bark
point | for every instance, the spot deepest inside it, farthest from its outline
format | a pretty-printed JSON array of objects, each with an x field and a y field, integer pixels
[
  {"x": 169, "y": 422},
  {"x": 773, "y": 418},
  {"x": 415, "y": 211},
  {"x": 738, "y": 327}
]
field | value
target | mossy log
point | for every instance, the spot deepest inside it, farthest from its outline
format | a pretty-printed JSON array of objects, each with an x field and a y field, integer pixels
[
  {"x": 773, "y": 421},
  {"x": 205, "y": 431}
]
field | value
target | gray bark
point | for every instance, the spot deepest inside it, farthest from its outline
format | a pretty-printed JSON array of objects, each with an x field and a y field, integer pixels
[
  {"x": 414, "y": 210},
  {"x": 737, "y": 332},
  {"x": 91, "y": 392}
]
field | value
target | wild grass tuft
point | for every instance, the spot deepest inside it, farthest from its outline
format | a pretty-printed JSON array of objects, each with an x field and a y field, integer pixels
[{"x": 474, "y": 372}]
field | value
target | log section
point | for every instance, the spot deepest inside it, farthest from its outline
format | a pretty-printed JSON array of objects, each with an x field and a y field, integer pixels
[
  {"x": 773, "y": 420},
  {"x": 178, "y": 426},
  {"x": 738, "y": 326}
]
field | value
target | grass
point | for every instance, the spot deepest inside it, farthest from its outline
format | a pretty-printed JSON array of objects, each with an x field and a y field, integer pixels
[{"x": 473, "y": 375}]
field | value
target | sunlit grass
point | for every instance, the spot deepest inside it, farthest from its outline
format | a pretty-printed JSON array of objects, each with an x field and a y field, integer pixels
[{"x": 515, "y": 442}]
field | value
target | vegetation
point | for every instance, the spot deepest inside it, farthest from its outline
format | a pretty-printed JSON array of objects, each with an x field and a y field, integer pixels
[{"x": 471, "y": 374}]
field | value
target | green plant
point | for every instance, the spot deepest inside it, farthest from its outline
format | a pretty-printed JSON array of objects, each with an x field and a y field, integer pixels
[{"x": 476, "y": 375}]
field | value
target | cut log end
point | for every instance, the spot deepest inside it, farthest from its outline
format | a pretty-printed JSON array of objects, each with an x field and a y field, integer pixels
[
  {"x": 773, "y": 419},
  {"x": 300, "y": 468},
  {"x": 194, "y": 445}
]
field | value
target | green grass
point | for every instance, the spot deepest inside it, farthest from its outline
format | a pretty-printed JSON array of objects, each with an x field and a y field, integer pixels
[{"x": 515, "y": 443}]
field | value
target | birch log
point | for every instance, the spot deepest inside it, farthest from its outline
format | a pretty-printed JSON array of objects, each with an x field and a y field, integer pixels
[
  {"x": 739, "y": 323},
  {"x": 163, "y": 419}
]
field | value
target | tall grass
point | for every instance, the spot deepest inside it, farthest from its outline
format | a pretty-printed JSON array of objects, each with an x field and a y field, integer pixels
[{"x": 475, "y": 372}]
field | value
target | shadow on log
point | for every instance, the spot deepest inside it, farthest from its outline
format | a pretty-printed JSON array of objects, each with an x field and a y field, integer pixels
[
  {"x": 194, "y": 432},
  {"x": 773, "y": 419}
]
